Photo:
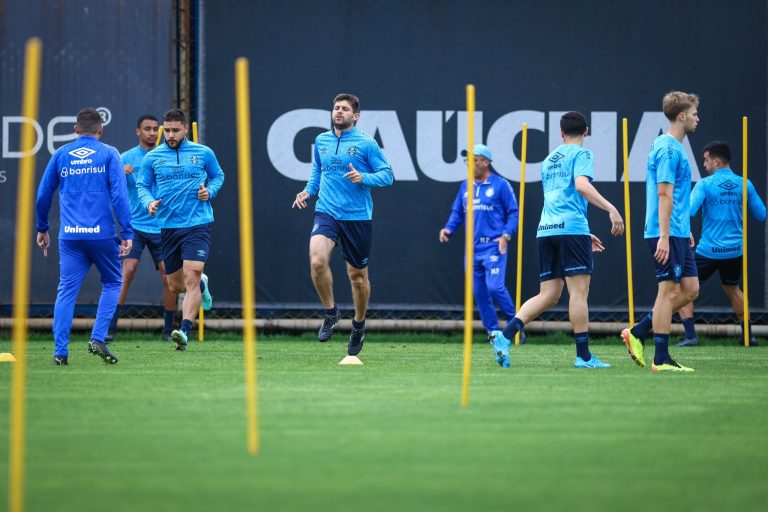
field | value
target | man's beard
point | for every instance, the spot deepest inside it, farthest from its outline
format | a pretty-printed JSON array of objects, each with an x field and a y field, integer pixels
[{"x": 343, "y": 126}]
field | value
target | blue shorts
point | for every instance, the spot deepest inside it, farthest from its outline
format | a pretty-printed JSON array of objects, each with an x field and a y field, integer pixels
[
  {"x": 564, "y": 255},
  {"x": 180, "y": 244},
  {"x": 681, "y": 262},
  {"x": 729, "y": 269},
  {"x": 353, "y": 236},
  {"x": 152, "y": 241}
]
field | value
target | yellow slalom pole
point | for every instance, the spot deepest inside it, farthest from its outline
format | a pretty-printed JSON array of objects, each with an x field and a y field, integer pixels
[
  {"x": 521, "y": 206},
  {"x": 247, "y": 279},
  {"x": 200, "y": 312},
  {"x": 29, "y": 109},
  {"x": 744, "y": 266},
  {"x": 627, "y": 223},
  {"x": 469, "y": 230},
  {"x": 159, "y": 136}
]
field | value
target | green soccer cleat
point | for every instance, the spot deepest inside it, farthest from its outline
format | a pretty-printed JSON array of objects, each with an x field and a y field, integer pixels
[
  {"x": 635, "y": 347},
  {"x": 670, "y": 365}
]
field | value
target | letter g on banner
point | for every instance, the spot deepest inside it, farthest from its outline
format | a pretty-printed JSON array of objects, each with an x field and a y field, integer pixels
[{"x": 281, "y": 137}]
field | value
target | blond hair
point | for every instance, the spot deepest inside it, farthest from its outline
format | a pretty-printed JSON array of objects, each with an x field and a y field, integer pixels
[{"x": 678, "y": 101}]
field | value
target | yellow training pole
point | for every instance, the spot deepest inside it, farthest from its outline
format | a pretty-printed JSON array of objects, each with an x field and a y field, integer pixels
[
  {"x": 744, "y": 266},
  {"x": 29, "y": 108},
  {"x": 470, "y": 246},
  {"x": 200, "y": 312},
  {"x": 159, "y": 136},
  {"x": 521, "y": 206},
  {"x": 627, "y": 223},
  {"x": 247, "y": 279}
]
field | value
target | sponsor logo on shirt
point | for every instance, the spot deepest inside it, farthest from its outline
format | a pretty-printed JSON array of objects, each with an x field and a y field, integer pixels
[
  {"x": 81, "y": 154},
  {"x": 721, "y": 250},
  {"x": 547, "y": 227},
  {"x": 728, "y": 185},
  {"x": 177, "y": 176},
  {"x": 80, "y": 229},
  {"x": 99, "y": 169},
  {"x": 557, "y": 156}
]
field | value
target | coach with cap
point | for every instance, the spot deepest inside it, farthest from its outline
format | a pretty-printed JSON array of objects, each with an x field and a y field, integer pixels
[{"x": 495, "y": 208}]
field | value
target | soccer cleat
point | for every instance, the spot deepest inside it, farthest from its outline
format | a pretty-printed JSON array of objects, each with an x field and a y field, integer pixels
[
  {"x": 688, "y": 342},
  {"x": 326, "y": 330},
  {"x": 635, "y": 347},
  {"x": 60, "y": 361},
  {"x": 206, "y": 301},
  {"x": 109, "y": 338},
  {"x": 500, "y": 348},
  {"x": 98, "y": 348},
  {"x": 594, "y": 362},
  {"x": 356, "y": 340},
  {"x": 670, "y": 365},
  {"x": 180, "y": 339}
]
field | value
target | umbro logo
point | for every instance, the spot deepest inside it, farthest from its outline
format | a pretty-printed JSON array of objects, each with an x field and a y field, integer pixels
[
  {"x": 557, "y": 156},
  {"x": 82, "y": 153},
  {"x": 728, "y": 185},
  {"x": 201, "y": 253}
]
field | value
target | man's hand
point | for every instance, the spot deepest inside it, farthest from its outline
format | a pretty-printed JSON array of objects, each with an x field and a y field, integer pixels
[
  {"x": 301, "y": 200},
  {"x": 692, "y": 242},
  {"x": 203, "y": 194},
  {"x": 662, "y": 250},
  {"x": 128, "y": 168},
  {"x": 502, "y": 244},
  {"x": 617, "y": 223},
  {"x": 125, "y": 248},
  {"x": 444, "y": 235},
  {"x": 44, "y": 242},
  {"x": 152, "y": 209},
  {"x": 597, "y": 245},
  {"x": 354, "y": 175}
]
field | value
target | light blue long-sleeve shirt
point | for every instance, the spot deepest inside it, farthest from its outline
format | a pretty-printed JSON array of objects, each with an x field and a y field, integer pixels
[
  {"x": 338, "y": 196},
  {"x": 175, "y": 176},
  {"x": 140, "y": 217},
  {"x": 720, "y": 198}
]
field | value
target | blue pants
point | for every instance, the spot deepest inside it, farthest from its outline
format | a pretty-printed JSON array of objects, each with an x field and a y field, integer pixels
[
  {"x": 75, "y": 260},
  {"x": 490, "y": 272}
]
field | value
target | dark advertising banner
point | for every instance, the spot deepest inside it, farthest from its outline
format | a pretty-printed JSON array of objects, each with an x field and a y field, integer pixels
[
  {"x": 117, "y": 56},
  {"x": 409, "y": 63}
]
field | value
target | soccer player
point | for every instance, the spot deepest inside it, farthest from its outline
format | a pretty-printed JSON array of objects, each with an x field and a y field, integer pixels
[
  {"x": 178, "y": 180},
  {"x": 146, "y": 229},
  {"x": 347, "y": 164},
  {"x": 89, "y": 176},
  {"x": 719, "y": 197},
  {"x": 495, "y": 223},
  {"x": 668, "y": 232},
  {"x": 565, "y": 242}
]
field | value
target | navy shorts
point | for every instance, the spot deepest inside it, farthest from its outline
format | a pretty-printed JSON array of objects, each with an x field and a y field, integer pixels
[
  {"x": 180, "y": 244},
  {"x": 564, "y": 255},
  {"x": 681, "y": 262},
  {"x": 353, "y": 236},
  {"x": 729, "y": 269},
  {"x": 152, "y": 241}
]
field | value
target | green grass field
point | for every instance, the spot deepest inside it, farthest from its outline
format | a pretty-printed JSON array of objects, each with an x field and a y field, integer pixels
[{"x": 165, "y": 431}]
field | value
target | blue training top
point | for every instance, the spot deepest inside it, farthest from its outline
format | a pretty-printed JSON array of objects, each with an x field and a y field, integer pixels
[
  {"x": 175, "y": 176},
  {"x": 91, "y": 183},
  {"x": 140, "y": 217},
  {"x": 565, "y": 210},
  {"x": 667, "y": 163},
  {"x": 719, "y": 196},
  {"x": 495, "y": 208},
  {"x": 338, "y": 196}
]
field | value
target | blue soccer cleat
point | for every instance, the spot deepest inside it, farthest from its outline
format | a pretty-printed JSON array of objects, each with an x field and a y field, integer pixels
[
  {"x": 206, "y": 300},
  {"x": 179, "y": 337},
  {"x": 500, "y": 348},
  {"x": 594, "y": 362}
]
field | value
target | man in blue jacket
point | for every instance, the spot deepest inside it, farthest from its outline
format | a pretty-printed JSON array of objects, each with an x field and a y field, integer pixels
[
  {"x": 89, "y": 176},
  {"x": 495, "y": 223},
  {"x": 719, "y": 196},
  {"x": 178, "y": 180},
  {"x": 347, "y": 164}
]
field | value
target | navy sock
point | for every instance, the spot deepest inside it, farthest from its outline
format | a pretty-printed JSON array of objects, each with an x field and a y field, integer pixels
[
  {"x": 643, "y": 327},
  {"x": 186, "y": 326},
  {"x": 662, "y": 348},
  {"x": 332, "y": 311},
  {"x": 202, "y": 285},
  {"x": 742, "y": 331},
  {"x": 690, "y": 328},
  {"x": 168, "y": 317},
  {"x": 513, "y": 327},
  {"x": 582, "y": 345},
  {"x": 358, "y": 325}
]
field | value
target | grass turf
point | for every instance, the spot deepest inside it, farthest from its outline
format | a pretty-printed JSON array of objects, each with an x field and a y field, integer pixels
[{"x": 166, "y": 431}]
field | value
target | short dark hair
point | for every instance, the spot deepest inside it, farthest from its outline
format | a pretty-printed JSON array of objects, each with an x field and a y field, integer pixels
[
  {"x": 145, "y": 117},
  {"x": 718, "y": 149},
  {"x": 175, "y": 115},
  {"x": 89, "y": 120},
  {"x": 351, "y": 98},
  {"x": 573, "y": 123}
]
